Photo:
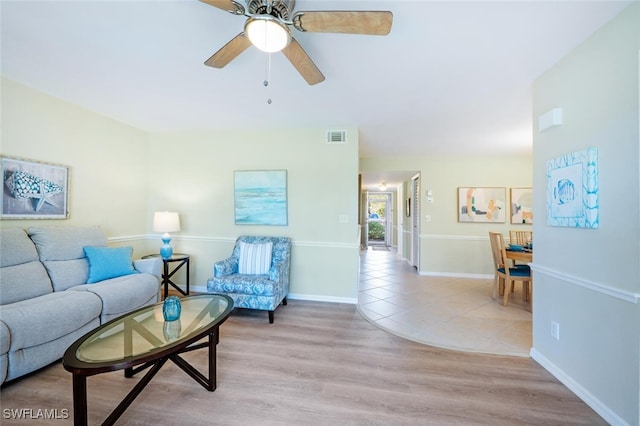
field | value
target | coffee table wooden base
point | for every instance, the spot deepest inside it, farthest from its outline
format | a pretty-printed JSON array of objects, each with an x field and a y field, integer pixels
[
  {"x": 208, "y": 382},
  {"x": 143, "y": 340}
]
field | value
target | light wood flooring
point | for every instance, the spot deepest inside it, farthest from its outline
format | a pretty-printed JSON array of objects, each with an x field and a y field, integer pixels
[{"x": 320, "y": 364}]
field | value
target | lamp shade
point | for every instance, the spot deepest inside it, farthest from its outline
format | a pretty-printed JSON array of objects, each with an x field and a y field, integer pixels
[{"x": 166, "y": 222}]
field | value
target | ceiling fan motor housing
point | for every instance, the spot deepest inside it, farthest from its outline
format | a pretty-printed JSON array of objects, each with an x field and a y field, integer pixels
[
  {"x": 267, "y": 28},
  {"x": 279, "y": 8}
]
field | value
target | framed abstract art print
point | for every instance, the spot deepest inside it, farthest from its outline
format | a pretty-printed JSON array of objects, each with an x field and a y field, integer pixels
[{"x": 481, "y": 205}]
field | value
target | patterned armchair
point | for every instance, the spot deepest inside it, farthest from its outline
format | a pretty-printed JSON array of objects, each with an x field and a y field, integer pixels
[{"x": 256, "y": 276}]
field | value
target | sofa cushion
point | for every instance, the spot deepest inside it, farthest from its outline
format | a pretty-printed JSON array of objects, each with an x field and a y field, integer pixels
[
  {"x": 4, "y": 367},
  {"x": 45, "y": 318},
  {"x": 65, "y": 242},
  {"x": 255, "y": 258},
  {"x": 29, "y": 359},
  {"x": 23, "y": 276},
  {"x": 16, "y": 247},
  {"x": 5, "y": 339},
  {"x": 22, "y": 282},
  {"x": 67, "y": 273},
  {"x": 61, "y": 250},
  {"x": 123, "y": 294},
  {"x": 108, "y": 262}
]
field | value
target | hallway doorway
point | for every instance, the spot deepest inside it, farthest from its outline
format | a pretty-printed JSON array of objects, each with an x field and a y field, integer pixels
[
  {"x": 379, "y": 218},
  {"x": 395, "y": 228}
]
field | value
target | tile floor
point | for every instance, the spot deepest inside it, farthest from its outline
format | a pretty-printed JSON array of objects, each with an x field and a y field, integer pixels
[{"x": 451, "y": 313}]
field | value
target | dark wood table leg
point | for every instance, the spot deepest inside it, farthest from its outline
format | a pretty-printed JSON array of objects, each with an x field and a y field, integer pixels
[
  {"x": 208, "y": 381},
  {"x": 144, "y": 381},
  {"x": 187, "y": 277},
  {"x": 128, "y": 347},
  {"x": 168, "y": 276},
  {"x": 165, "y": 278},
  {"x": 213, "y": 342},
  {"x": 79, "y": 400}
]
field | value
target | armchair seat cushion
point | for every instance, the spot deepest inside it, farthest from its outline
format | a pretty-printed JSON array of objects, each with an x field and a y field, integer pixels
[{"x": 258, "y": 285}]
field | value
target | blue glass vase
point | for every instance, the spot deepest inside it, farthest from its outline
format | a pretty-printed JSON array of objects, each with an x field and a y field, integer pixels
[{"x": 171, "y": 308}]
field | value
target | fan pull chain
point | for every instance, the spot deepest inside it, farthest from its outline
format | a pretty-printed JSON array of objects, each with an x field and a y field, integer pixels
[{"x": 267, "y": 72}]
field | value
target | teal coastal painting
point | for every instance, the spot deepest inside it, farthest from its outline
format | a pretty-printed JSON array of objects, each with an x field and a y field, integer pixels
[
  {"x": 572, "y": 190},
  {"x": 260, "y": 197}
]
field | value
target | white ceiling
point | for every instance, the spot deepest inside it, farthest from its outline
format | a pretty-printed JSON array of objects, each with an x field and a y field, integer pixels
[{"x": 450, "y": 77}]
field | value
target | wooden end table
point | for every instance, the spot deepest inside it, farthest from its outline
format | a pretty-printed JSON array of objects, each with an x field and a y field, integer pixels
[{"x": 179, "y": 258}]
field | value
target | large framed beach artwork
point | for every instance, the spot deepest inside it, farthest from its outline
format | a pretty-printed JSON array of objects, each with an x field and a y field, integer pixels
[
  {"x": 260, "y": 197},
  {"x": 481, "y": 205},
  {"x": 572, "y": 190},
  {"x": 34, "y": 190}
]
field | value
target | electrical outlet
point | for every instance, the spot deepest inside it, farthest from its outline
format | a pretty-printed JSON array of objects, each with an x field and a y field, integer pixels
[{"x": 555, "y": 330}]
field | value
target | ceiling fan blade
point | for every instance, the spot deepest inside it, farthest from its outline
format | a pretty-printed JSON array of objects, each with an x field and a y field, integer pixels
[
  {"x": 303, "y": 63},
  {"x": 229, "y": 51},
  {"x": 348, "y": 22},
  {"x": 226, "y": 5}
]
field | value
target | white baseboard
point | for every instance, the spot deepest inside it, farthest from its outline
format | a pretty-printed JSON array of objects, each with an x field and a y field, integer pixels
[
  {"x": 295, "y": 296},
  {"x": 457, "y": 275},
  {"x": 598, "y": 406},
  {"x": 317, "y": 298}
]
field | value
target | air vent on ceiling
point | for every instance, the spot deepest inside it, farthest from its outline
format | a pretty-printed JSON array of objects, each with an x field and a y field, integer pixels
[{"x": 336, "y": 136}]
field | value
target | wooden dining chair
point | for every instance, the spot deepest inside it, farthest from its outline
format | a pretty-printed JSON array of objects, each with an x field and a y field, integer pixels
[
  {"x": 505, "y": 277},
  {"x": 520, "y": 237}
]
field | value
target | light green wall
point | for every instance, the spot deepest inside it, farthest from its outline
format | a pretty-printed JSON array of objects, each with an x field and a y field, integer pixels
[
  {"x": 446, "y": 245},
  {"x": 108, "y": 160},
  {"x": 588, "y": 280},
  {"x": 121, "y": 175},
  {"x": 192, "y": 173}
]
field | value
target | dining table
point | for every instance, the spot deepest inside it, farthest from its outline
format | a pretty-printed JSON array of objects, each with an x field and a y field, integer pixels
[{"x": 524, "y": 255}]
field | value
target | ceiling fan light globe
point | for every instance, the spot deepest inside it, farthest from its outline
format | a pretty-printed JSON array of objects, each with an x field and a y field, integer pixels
[{"x": 267, "y": 33}]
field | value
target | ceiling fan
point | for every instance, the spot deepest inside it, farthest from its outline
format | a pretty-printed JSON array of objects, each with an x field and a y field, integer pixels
[{"x": 267, "y": 28}]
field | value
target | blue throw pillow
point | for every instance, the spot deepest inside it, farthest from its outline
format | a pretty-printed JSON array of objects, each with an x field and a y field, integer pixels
[{"x": 108, "y": 262}]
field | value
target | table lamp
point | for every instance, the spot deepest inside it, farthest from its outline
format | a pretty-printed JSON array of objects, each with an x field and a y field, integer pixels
[{"x": 166, "y": 222}]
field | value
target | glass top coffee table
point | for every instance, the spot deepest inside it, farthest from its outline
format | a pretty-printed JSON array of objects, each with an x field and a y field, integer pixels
[{"x": 141, "y": 340}]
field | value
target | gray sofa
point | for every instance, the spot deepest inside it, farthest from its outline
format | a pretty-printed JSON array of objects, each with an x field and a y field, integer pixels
[{"x": 45, "y": 301}]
